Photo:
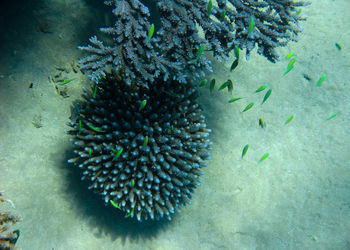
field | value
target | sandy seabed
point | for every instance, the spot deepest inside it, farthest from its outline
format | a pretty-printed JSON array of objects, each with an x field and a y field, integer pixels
[{"x": 298, "y": 198}]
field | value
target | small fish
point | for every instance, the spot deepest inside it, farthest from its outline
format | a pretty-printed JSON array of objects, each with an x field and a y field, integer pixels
[
  {"x": 262, "y": 123},
  {"x": 65, "y": 82},
  {"x": 261, "y": 89},
  {"x": 298, "y": 12},
  {"x": 244, "y": 151},
  {"x": 267, "y": 95},
  {"x": 210, "y": 5},
  {"x": 100, "y": 78},
  {"x": 307, "y": 77},
  {"x": 289, "y": 67},
  {"x": 230, "y": 86},
  {"x": 234, "y": 64},
  {"x": 118, "y": 153},
  {"x": 289, "y": 56},
  {"x": 320, "y": 81},
  {"x": 203, "y": 83},
  {"x": 234, "y": 99},
  {"x": 331, "y": 117},
  {"x": 339, "y": 47},
  {"x": 114, "y": 205},
  {"x": 212, "y": 85},
  {"x": 172, "y": 128},
  {"x": 150, "y": 32},
  {"x": 132, "y": 183},
  {"x": 289, "y": 120},
  {"x": 249, "y": 106},
  {"x": 95, "y": 91},
  {"x": 31, "y": 85},
  {"x": 199, "y": 53},
  {"x": 90, "y": 152},
  {"x": 80, "y": 125},
  {"x": 223, "y": 15},
  {"x": 251, "y": 27},
  {"x": 146, "y": 141},
  {"x": 95, "y": 129},
  {"x": 236, "y": 52},
  {"x": 171, "y": 94},
  {"x": 132, "y": 210},
  {"x": 264, "y": 157},
  {"x": 143, "y": 105},
  {"x": 224, "y": 85}
]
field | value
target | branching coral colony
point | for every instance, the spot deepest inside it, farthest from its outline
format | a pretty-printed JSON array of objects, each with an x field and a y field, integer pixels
[
  {"x": 177, "y": 41},
  {"x": 7, "y": 239},
  {"x": 139, "y": 134}
]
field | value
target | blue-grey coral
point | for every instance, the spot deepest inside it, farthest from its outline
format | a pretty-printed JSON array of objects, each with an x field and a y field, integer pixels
[
  {"x": 173, "y": 49},
  {"x": 143, "y": 149}
]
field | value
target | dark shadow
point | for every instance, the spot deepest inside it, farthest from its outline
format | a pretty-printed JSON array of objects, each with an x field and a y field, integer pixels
[{"x": 104, "y": 220}]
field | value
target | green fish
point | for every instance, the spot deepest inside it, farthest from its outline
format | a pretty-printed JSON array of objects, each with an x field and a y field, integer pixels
[
  {"x": 90, "y": 152},
  {"x": 172, "y": 128},
  {"x": 289, "y": 120},
  {"x": 171, "y": 94},
  {"x": 244, "y": 151},
  {"x": 249, "y": 106},
  {"x": 339, "y": 47},
  {"x": 143, "y": 105},
  {"x": 114, "y": 205},
  {"x": 66, "y": 81},
  {"x": 267, "y": 95},
  {"x": 100, "y": 78},
  {"x": 212, "y": 84},
  {"x": 320, "y": 81},
  {"x": 234, "y": 99},
  {"x": 251, "y": 27},
  {"x": 230, "y": 86},
  {"x": 203, "y": 83},
  {"x": 223, "y": 15},
  {"x": 80, "y": 125},
  {"x": 95, "y": 129},
  {"x": 210, "y": 5},
  {"x": 132, "y": 210},
  {"x": 132, "y": 183},
  {"x": 236, "y": 52},
  {"x": 298, "y": 12},
  {"x": 150, "y": 32},
  {"x": 289, "y": 67},
  {"x": 263, "y": 158},
  {"x": 261, "y": 89},
  {"x": 224, "y": 85},
  {"x": 199, "y": 53},
  {"x": 234, "y": 64},
  {"x": 117, "y": 153},
  {"x": 262, "y": 123},
  {"x": 146, "y": 141},
  {"x": 95, "y": 91},
  {"x": 331, "y": 117},
  {"x": 289, "y": 56}
]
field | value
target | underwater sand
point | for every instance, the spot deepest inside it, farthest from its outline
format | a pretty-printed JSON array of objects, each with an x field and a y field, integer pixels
[{"x": 298, "y": 198}]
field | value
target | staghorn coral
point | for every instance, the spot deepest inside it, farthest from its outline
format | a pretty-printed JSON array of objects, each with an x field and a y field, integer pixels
[
  {"x": 276, "y": 23},
  {"x": 173, "y": 49},
  {"x": 141, "y": 149},
  {"x": 132, "y": 53},
  {"x": 7, "y": 240}
]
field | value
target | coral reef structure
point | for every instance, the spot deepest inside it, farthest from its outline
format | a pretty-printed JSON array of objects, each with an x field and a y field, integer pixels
[
  {"x": 142, "y": 149},
  {"x": 7, "y": 239},
  {"x": 175, "y": 47}
]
